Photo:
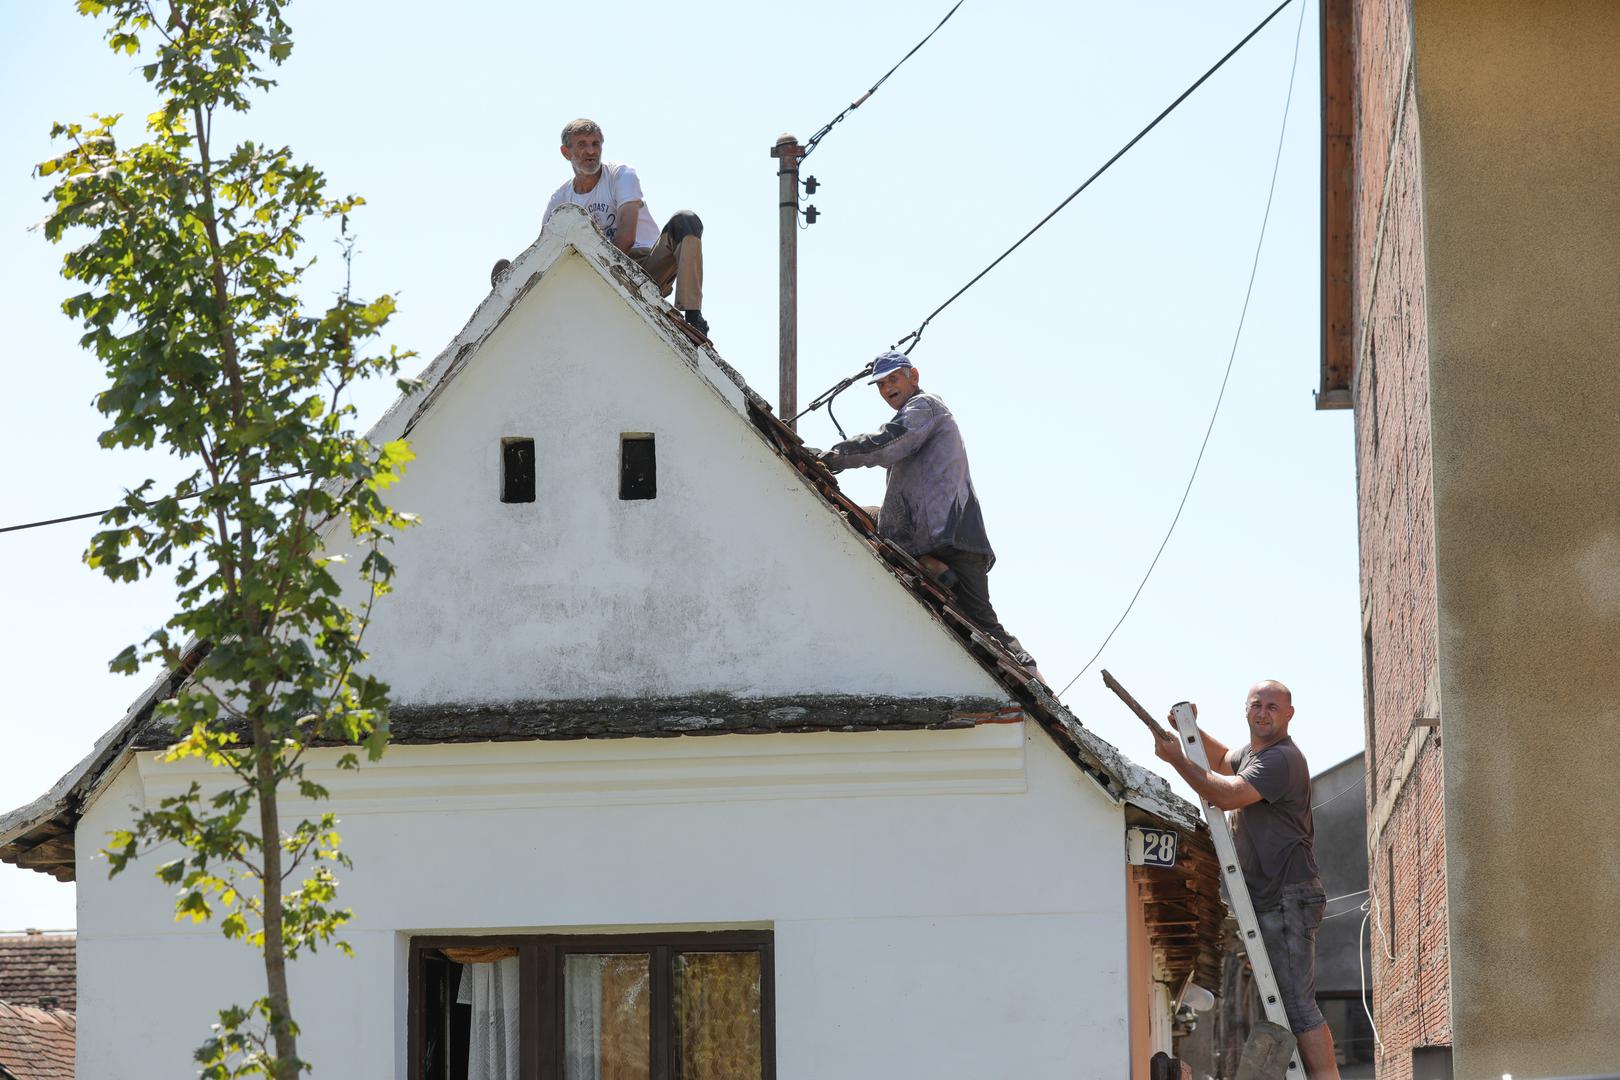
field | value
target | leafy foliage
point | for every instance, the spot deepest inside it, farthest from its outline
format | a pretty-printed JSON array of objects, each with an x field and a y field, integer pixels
[{"x": 191, "y": 271}]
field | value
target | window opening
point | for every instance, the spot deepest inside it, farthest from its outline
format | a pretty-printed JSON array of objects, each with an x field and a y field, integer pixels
[
  {"x": 1370, "y": 691},
  {"x": 660, "y": 1006},
  {"x": 1389, "y": 893},
  {"x": 638, "y": 466},
  {"x": 517, "y": 470},
  {"x": 1372, "y": 364}
]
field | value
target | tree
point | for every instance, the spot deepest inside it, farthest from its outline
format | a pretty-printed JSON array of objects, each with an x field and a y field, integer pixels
[{"x": 191, "y": 268}]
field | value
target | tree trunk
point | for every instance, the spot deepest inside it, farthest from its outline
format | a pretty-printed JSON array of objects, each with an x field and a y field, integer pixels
[{"x": 275, "y": 953}]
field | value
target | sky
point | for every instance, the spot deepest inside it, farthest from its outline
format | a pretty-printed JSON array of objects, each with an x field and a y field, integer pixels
[{"x": 1082, "y": 371}]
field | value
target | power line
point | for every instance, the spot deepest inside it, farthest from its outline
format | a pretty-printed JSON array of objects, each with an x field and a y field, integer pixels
[
  {"x": 815, "y": 139},
  {"x": 110, "y": 509},
  {"x": 1359, "y": 782},
  {"x": 915, "y": 337},
  {"x": 1248, "y": 294}
]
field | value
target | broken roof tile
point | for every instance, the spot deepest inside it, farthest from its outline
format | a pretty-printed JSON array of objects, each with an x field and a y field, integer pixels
[{"x": 36, "y": 1044}]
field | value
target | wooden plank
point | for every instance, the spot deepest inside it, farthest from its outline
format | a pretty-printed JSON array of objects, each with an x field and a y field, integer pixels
[{"x": 1338, "y": 203}]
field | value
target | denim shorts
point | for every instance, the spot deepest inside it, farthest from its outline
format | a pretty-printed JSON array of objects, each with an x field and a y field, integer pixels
[{"x": 1289, "y": 931}]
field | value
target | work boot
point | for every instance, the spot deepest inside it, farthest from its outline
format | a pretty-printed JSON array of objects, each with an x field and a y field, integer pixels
[{"x": 696, "y": 321}]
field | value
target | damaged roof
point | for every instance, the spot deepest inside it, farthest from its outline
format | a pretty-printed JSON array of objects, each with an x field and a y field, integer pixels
[
  {"x": 36, "y": 1044},
  {"x": 40, "y": 835}
]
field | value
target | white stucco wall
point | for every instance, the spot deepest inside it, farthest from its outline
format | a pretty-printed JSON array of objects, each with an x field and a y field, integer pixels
[
  {"x": 945, "y": 904},
  {"x": 736, "y": 578}
]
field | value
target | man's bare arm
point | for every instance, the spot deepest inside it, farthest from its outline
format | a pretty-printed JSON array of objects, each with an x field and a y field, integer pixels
[
  {"x": 1217, "y": 752},
  {"x": 625, "y": 220},
  {"x": 1224, "y": 792}
]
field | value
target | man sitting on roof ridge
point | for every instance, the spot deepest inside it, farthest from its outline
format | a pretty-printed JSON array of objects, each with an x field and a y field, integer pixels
[
  {"x": 929, "y": 506},
  {"x": 610, "y": 191}
]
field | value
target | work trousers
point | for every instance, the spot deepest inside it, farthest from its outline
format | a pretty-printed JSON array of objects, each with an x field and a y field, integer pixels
[
  {"x": 1289, "y": 931},
  {"x": 676, "y": 258},
  {"x": 972, "y": 593}
]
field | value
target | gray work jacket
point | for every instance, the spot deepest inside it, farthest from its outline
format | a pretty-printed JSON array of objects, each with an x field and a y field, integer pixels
[{"x": 929, "y": 502}]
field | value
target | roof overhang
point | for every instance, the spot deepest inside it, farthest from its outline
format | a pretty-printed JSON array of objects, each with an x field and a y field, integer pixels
[{"x": 1338, "y": 204}]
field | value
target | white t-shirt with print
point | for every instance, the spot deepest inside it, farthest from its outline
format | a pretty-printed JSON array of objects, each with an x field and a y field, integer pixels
[{"x": 616, "y": 185}]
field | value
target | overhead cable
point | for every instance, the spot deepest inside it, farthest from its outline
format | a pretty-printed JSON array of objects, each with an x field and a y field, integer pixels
[
  {"x": 815, "y": 139},
  {"x": 1220, "y": 396},
  {"x": 110, "y": 509},
  {"x": 827, "y": 398},
  {"x": 915, "y": 337}
]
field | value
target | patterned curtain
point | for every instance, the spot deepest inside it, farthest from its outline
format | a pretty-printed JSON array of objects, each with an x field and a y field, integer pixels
[{"x": 717, "y": 1022}]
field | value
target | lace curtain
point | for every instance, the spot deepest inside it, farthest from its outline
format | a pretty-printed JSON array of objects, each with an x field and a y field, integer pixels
[
  {"x": 492, "y": 991},
  {"x": 607, "y": 1017}
]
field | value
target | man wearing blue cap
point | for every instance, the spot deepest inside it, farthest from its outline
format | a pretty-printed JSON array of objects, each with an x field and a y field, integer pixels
[{"x": 929, "y": 506}]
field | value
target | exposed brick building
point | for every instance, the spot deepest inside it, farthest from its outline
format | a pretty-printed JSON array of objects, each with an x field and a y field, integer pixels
[{"x": 1471, "y": 284}]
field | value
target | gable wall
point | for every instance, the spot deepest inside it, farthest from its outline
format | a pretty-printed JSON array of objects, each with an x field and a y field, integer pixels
[
  {"x": 736, "y": 578},
  {"x": 959, "y": 930}
]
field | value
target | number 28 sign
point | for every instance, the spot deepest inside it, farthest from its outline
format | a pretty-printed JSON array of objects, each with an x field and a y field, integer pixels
[{"x": 1150, "y": 847}]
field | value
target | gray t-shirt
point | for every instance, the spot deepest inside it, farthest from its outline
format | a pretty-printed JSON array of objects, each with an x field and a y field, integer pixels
[{"x": 1275, "y": 835}]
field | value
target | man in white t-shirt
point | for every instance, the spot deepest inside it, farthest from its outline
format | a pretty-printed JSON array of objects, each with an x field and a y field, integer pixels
[{"x": 610, "y": 192}]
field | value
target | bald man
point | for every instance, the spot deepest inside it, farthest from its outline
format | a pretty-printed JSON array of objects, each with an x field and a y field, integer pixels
[{"x": 1268, "y": 784}]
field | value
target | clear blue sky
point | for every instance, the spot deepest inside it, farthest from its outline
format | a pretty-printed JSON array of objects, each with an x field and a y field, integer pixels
[{"x": 1082, "y": 370}]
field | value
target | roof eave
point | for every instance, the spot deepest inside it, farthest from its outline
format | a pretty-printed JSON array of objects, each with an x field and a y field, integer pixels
[{"x": 1338, "y": 210}]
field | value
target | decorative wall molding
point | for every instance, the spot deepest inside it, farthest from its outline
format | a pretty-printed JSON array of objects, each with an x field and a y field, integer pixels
[{"x": 988, "y": 759}]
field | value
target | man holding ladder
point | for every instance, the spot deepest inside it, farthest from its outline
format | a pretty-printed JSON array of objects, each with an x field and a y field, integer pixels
[{"x": 1268, "y": 784}]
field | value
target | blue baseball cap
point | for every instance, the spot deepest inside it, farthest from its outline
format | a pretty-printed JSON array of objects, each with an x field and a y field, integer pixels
[{"x": 888, "y": 363}]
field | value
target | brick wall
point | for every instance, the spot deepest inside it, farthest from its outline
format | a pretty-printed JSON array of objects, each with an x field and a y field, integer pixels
[{"x": 1411, "y": 975}]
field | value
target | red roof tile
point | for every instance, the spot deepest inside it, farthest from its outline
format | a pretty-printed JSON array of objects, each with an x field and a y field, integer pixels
[
  {"x": 39, "y": 970},
  {"x": 36, "y": 1044}
]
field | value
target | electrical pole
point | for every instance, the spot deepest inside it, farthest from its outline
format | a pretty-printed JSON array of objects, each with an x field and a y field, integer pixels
[{"x": 787, "y": 152}]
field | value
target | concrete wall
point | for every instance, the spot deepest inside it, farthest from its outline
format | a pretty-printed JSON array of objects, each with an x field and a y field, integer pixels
[
  {"x": 1341, "y": 855},
  {"x": 1395, "y": 496},
  {"x": 736, "y": 578},
  {"x": 1520, "y": 120},
  {"x": 963, "y": 919}
]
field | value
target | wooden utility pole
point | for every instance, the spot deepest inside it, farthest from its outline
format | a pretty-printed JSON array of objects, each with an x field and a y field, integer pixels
[{"x": 787, "y": 153}]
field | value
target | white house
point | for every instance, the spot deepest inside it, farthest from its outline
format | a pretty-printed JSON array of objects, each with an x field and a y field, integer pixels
[{"x": 693, "y": 775}]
